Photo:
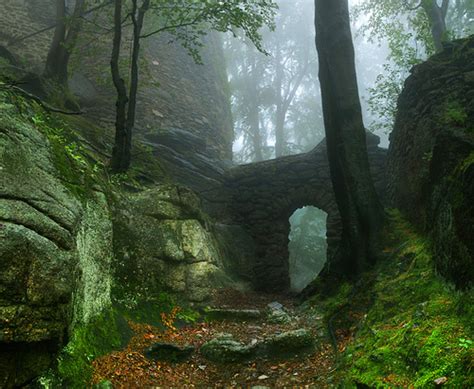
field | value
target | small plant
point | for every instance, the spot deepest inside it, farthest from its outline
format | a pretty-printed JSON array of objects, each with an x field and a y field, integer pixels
[
  {"x": 428, "y": 156},
  {"x": 465, "y": 343},
  {"x": 188, "y": 315}
]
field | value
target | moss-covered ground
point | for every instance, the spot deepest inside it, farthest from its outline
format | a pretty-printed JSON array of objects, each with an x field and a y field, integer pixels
[{"x": 407, "y": 326}]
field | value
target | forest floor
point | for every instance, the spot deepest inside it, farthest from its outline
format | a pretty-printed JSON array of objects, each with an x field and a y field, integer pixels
[
  {"x": 129, "y": 368},
  {"x": 399, "y": 326}
]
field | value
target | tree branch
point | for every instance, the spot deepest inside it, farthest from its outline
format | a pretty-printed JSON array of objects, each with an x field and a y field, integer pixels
[
  {"x": 410, "y": 8},
  {"x": 444, "y": 8},
  {"x": 14, "y": 41}
]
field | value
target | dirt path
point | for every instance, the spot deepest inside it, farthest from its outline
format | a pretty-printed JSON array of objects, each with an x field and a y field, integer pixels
[{"x": 129, "y": 368}]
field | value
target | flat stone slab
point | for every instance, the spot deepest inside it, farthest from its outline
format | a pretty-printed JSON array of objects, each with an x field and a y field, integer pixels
[
  {"x": 233, "y": 314},
  {"x": 168, "y": 352},
  {"x": 288, "y": 343},
  {"x": 224, "y": 348}
]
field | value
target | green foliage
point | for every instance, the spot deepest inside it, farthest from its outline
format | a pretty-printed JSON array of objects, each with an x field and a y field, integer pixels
[
  {"x": 465, "y": 343},
  {"x": 189, "y": 21},
  {"x": 407, "y": 33},
  {"x": 466, "y": 164},
  {"x": 418, "y": 327},
  {"x": 149, "y": 310},
  {"x": 405, "y": 26}
]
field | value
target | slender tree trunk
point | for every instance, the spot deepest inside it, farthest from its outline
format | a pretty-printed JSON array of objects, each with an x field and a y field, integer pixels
[
  {"x": 284, "y": 100},
  {"x": 279, "y": 114},
  {"x": 120, "y": 152},
  {"x": 280, "y": 131},
  {"x": 254, "y": 112},
  {"x": 437, "y": 18},
  {"x": 254, "y": 123},
  {"x": 125, "y": 116},
  {"x": 360, "y": 209},
  {"x": 64, "y": 39}
]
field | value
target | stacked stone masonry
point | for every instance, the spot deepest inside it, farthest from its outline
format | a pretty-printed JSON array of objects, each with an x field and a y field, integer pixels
[{"x": 265, "y": 195}]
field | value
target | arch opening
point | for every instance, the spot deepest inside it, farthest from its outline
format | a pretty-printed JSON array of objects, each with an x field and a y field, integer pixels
[{"x": 307, "y": 246}]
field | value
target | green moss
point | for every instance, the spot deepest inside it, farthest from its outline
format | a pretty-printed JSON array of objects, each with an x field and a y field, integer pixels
[
  {"x": 412, "y": 333},
  {"x": 466, "y": 164},
  {"x": 149, "y": 310},
  {"x": 455, "y": 114},
  {"x": 102, "y": 335},
  {"x": 76, "y": 168}
]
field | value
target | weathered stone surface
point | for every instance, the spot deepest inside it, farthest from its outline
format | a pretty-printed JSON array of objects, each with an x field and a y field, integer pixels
[
  {"x": 237, "y": 249},
  {"x": 165, "y": 240},
  {"x": 224, "y": 348},
  {"x": 286, "y": 343},
  {"x": 430, "y": 161},
  {"x": 53, "y": 244},
  {"x": 277, "y": 314},
  {"x": 233, "y": 314}
]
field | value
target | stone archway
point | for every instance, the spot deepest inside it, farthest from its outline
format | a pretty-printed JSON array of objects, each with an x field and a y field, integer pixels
[{"x": 265, "y": 194}]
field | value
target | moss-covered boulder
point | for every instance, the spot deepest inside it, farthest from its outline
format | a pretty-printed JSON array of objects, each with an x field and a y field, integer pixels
[
  {"x": 288, "y": 343},
  {"x": 55, "y": 243}
]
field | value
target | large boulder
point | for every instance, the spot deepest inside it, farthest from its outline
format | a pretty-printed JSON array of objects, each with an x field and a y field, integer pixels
[
  {"x": 165, "y": 242},
  {"x": 430, "y": 161},
  {"x": 55, "y": 243}
]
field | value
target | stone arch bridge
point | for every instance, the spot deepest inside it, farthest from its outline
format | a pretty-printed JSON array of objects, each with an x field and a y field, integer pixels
[{"x": 264, "y": 195}]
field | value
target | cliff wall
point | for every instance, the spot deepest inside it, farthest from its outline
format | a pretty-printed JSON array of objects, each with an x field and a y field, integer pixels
[{"x": 431, "y": 155}]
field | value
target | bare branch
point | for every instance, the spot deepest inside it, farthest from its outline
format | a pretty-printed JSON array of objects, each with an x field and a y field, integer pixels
[
  {"x": 411, "y": 8},
  {"x": 444, "y": 8},
  {"x": 14, "y": 41}
]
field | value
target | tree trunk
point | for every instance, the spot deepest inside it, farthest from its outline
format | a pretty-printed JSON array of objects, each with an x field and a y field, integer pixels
[
  {"x": 254, "y": 112},
  {"x": 254, "y": 124},
  {"x": 64, "y": 39},
  {"x": 437, "y": 17},
  {"x": 285, "y": 98},
  {"x": 121, "y": 151},
  {"x": 125, "y": 117},
  {"x": 279, "y": 114},
  {"x": 360, "y": 209}
]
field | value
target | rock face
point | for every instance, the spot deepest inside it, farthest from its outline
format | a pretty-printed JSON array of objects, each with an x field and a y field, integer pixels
[
  {"x": 265, "y": 194},
  {"x": 53, "y": 243},
  {"x": 183, "y": 111},
  {"x": 163, "y": 241},
  {"x": 431, "y": 157},
  {"x": 67, "y": 237}
]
